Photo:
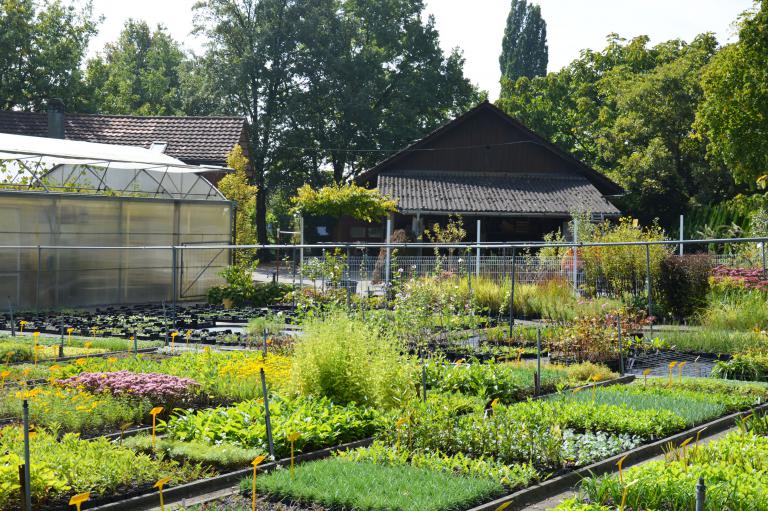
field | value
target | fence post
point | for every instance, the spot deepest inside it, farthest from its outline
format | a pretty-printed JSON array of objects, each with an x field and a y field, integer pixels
[
  {"x": 387, "y": 269},
  {"x": 701, "y": 494},
  {"x": 348, "y": 280},
  {"x": 648, "y": 280},
  {"x": 424, "y": 381},
  {"x": 512, "y": 296},
  {"x": 135, "y": 345},
  {"x": 61, "y": 342},
  {"x": 37, "y": 279},
  {"x": 763, "y": 249},
  {"x": 477, "y": 257},
  {"x": 27, "y": 487},
  {"x": 174, "y": 283},
  {"x": 165, "y": 325},
  {"x": 266, "y": 414},
  {"x": 575, "y": 255},
  {"x": 682, "y": 235},
  {"x": 13, "y": 324},
  {"x": 538, "y": 361},
  {"x": 301, "y": 251},
  {"x": 621, "y": 347},
  {"x": 264, "y": 343}
]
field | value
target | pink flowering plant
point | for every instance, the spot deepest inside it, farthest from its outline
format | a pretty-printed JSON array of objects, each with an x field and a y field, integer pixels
[
  {"x": 725, "y": 277},
  {"x": 159, "y": 388}
]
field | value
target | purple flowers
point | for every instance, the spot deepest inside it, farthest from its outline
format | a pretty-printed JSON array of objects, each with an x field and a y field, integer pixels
[{"x": 154, "y": 386}]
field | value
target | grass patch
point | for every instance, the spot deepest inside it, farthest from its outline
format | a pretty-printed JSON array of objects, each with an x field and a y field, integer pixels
[
  {"x": 694, "y": 407},
  {"x": 338, "y": 483},
  {"x": 713, "y": 341}
]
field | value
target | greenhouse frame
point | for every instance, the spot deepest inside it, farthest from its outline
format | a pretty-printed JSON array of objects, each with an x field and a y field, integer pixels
[{"x": 88, "y": 224}]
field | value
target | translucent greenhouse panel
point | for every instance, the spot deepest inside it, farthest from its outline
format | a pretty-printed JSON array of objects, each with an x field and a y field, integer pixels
[{"x": 64, "y": 276}]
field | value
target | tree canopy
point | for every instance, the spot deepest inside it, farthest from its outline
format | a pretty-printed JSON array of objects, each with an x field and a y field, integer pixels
[
  {"x": 524, "y": 50},
  {"x": 733, "y": 116},
  {"x": 339, "y": 200},
  {"x": 628, "y": 111},
  {"x": 140, "y": 73},
  {"x": 42, "y": 45}
]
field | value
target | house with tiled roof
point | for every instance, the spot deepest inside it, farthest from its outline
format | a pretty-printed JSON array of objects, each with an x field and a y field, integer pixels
[
  {"x": 204, "y": 141},
  {"x": 485, "y": 165}
]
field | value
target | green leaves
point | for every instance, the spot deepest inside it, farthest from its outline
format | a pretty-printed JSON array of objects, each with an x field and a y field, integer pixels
[{"x": 343, "y": 200}]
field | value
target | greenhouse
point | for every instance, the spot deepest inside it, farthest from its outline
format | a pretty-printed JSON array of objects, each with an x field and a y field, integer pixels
[{"x": 58, "y": 195}]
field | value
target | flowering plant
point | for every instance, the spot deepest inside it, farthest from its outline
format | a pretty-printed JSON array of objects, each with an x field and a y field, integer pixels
[{"x": 155, "y": 386}]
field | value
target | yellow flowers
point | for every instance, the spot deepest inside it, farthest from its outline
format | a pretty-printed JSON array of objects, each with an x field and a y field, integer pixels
[{"x": 81, "y": 361}]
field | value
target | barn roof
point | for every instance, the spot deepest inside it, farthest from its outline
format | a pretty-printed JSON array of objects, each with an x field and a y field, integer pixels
[
  {"x": 494, "y": 193},
  {"x": 193, "y": 140}
]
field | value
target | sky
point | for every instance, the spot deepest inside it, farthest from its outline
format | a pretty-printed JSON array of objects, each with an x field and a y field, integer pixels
[{"x": 477, "y": 26}]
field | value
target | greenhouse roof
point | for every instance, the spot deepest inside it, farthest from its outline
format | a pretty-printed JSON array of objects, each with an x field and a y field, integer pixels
[{"x": 51, "y": 164}]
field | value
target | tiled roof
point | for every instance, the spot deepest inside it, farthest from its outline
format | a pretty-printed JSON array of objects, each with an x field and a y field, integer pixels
[
  {"x": 193, "y": 140},
  {"x": 493, "y": 193}
]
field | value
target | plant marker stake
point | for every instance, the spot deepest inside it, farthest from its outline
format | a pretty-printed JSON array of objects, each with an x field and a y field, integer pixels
[
  {"x": 27, "y": 478},
  {"x": 77, "y": 500},
  {"x": 159, "y": 485},
  {"x": 189, "y": 333},
  {"x": 680, "y": 369},
  {"x": 504, "y": 506},
  {"x": 671, "y": 366},
  {"x": 266, "y": 413},
  {"x": 620, "y": 464},
  {"x": 292, "y": 438},
  {"x": 701, "y": 494},
  {"x": 256, "y": 462},
  {"x": 621, "y": 348},
  {"x": 173, "y": 339},
  {"x": 645, "y": 376},
  {"x": 69, "y": 336},
  {"x": 35, "y": 337},
  {"x": 153, "y": 412},
  {"x": 21, "y": 326}
]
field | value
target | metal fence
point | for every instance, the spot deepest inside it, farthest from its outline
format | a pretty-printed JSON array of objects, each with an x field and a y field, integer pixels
[{"x": 45, "y": 276}]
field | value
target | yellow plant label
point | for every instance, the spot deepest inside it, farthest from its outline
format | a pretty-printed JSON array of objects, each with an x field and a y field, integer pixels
[
  {"x": 647, "y": 372},
  {"x": 70, "y": 330},
  {"x": 5, "y": 374},
  {"x": 162, "y": 482},
  {"x": 495, "y": 403},
  {"x": 156, "y": 410},
  {"x": 258, "y": 460},
  {"x": 504, "y": 506},
  {"x": 78, "y": 499},
  {"x": 672, "y": 364},
  {"x": 294, "y": 436}
]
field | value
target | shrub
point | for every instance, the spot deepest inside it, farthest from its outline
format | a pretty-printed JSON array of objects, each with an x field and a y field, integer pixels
[
  {"x": 750, "y": 366},
  {"x": 350, "y": 361},
  {"x": 684, "y": 283}
]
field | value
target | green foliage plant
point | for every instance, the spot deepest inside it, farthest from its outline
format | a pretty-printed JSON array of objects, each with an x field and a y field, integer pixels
[
  {"x": 339, "y": 200},
  {"x": 351, "y": 361}
]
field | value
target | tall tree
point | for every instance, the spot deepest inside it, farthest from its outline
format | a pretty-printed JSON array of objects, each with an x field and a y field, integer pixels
[
  {"x": 373, "y": 76},
  {"x": 524, "y": 49},
  {"x": 734, "y": 113},
  {"x": 325, "y": 83},
  {"x": 251, "y": 51},
  {"x": 628, "y": 110},
  {"x": 140, "y": 73},
  {"x": 42, "y": 45}
]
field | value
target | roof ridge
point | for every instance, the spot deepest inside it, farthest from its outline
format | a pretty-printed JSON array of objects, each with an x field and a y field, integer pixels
[{"x": 130, "y": 116}]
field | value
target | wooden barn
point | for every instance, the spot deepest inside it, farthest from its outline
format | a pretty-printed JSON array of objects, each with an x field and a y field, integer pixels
[{"x": 484, "y": 165}]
